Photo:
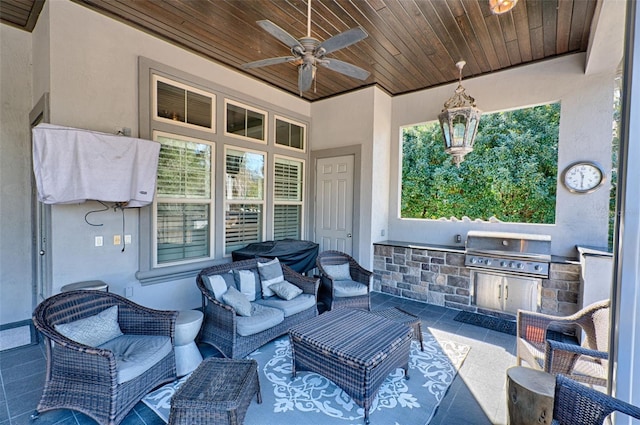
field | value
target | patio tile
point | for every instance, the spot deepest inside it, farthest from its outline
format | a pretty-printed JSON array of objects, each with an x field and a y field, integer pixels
[{"x": 476, "y": 396}]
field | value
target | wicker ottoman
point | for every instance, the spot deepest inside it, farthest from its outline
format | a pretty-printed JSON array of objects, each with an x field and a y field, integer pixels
[
  {"x": 354, "y": 348},
  {"x": 219, "y": 391},
  {"x": 399, "y": 315}
]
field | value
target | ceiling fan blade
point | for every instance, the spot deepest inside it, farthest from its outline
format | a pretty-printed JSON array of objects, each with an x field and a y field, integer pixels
[
  {"x": 279, "y": 33},
  {"x": 342, "y": 40},
  {"x": 345, "y": 68},
  {"x": 305, "y": 76},
  {"x": 270, "y": 61}
]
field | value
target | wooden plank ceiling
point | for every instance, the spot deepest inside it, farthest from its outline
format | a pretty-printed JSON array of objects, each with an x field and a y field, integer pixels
[{"x": 412, "y": 44}]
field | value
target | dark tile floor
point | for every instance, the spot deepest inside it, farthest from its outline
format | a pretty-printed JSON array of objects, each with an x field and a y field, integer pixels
[{"x": 476, "y": 396}]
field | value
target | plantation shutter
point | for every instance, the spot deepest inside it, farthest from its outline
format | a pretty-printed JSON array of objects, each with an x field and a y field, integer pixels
[
  {"x": 287, "y": 214},
  {"x": 183, "y": 200}
]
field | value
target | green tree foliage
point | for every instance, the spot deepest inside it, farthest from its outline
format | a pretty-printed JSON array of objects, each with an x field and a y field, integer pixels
[{"x": 510, "y": 175}]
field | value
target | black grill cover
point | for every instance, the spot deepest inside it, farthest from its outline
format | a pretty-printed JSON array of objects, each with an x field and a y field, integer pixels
[{"x": 297, "y": 254}]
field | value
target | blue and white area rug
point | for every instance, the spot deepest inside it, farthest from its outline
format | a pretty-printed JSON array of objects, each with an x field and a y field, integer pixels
[{"x": 313, "y": 399}]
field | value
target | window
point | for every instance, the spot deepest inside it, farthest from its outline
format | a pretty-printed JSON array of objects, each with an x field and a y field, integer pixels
[
  {"x": 244, "y": 197},
  {"x": 510, "y": 176},
  {"x": 184, "y": 202},
  {"x": 287, "y": 193},
  {"x": 241, "y": 121},
  {"x": 290, "y": 134},
  {"x": 182, "y": 105}
]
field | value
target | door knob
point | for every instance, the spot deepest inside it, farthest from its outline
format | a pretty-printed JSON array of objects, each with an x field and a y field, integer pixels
[
  {"x": 348, "y": 235},
  {"x": 41, "y": 252}
]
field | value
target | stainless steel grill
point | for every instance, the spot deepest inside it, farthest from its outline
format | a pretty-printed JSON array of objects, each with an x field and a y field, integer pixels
[
  {"x": 512, "y": 253},
  {"x": 507, "y": 270}
]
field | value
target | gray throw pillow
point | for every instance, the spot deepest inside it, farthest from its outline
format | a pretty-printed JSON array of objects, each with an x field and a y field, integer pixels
[
  {"x": 93, "y": 330},
  {"x": 238, "y": 301},
  {"x": 270, "y": 273},
  {"x": 338, "y": 271},
  {"x": 285, "y": 290}
]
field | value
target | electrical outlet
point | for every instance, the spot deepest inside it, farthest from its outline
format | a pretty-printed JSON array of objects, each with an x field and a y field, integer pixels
[
  {"x": 98, "y": 241},
  {"x": 127, "y": 239},
  {"x": 116, "y": 239},
  {"x": 128, "y": 291}
]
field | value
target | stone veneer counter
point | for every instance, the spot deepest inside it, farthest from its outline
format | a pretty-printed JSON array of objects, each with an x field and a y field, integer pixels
[{"x": 436, "y": 274}]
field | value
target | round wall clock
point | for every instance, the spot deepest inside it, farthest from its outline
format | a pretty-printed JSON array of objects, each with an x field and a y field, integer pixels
[{"x": 583, "y": 177}]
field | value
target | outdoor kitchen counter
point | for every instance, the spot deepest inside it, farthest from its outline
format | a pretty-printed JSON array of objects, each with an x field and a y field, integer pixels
[
  {"x": 423, "y": 245},
  {"x": 460, "y": 249}
]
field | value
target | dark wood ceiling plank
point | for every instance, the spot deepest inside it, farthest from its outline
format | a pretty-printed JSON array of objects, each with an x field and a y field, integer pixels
[
  {"x": 577, "y": 24},
  {"x": 565, "y": 9},
  {"x": 536, "y": 34},
  {"x": 549, "y": 26},
  {"x": 413, "y": 44},
  {"x": 591, "y": 9},
  {"x": 495, "y": 31},
  {"x": 414, "y": 51},
  {"x": 450, "y": 30},
  {"x": 521, "y": 23},
  {"x": 481, "y": 31},
  {"x": 403, "y": 71}
]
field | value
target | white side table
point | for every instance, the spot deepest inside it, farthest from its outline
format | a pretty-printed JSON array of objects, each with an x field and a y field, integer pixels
[{"x": 188, "y": 356}]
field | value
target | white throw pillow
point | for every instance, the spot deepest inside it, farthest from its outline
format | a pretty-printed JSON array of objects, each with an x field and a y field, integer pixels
[
  {"x": 93, "y": 330},
  {"x": 216, "y": 285}
]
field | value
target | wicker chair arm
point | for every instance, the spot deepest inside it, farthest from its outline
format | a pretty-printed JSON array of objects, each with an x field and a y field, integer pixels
[
  {"x": 560, "y": 357},
  {"x": 577, "y": 404},
  {"x": 307, "y": 284},
  {"x": 359, "y": 273},
  {"x": 140, "y": 320},
  {"x": 532, "y": 326}
]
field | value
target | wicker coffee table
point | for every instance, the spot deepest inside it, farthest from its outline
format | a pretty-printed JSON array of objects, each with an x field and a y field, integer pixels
[
  {"x": 354, "y": 348},
  {"x": 219, "y": 391},
  {"x": 404, "y": 317}
]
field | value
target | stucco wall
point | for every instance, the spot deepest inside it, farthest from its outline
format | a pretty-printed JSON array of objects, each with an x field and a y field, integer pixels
[
  {"x": 15, "y": 175},
  {"x": 585, "y": 134},
  {"x": 92, "y": 75}
]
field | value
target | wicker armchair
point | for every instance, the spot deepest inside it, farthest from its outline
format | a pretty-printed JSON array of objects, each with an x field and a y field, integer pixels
[
  {"x": 576, "y": 404},
  {"x": 586, "y": 363},
  {"x": 328, "y": 286},
  {"x": 219, "y": 328},
  {"x": 84, "y": 378}
]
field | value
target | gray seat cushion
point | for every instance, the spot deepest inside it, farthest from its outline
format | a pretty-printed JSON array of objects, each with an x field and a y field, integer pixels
[
  {"x": 262, "y": 317},
  {"x": 292, "y": 306},
  {"x": 135, "y": 354},
  {"x": 348, "y": 288}
]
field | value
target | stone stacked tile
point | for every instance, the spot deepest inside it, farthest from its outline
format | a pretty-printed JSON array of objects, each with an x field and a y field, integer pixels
[{"x": 440, "y": 277}]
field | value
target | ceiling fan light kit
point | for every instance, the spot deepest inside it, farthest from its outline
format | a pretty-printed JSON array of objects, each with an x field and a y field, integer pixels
[
  {"x": 499, "y": 7},
  {"x": 308, "y": 52}
]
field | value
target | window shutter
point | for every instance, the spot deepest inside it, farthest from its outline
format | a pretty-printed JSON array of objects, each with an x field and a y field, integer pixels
[
  {"x": 286, "y": 221},
  {"x": 183, "y": 231}
]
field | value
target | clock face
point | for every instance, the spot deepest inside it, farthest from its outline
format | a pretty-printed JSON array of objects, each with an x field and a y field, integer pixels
[{"x": 583, "y": 177}]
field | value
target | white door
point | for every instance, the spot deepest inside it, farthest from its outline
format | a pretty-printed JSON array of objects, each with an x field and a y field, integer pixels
[{"x": 334, "y": 203}]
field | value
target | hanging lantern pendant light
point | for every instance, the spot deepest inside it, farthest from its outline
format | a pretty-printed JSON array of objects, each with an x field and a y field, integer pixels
[{"x": 459, "y": 121}]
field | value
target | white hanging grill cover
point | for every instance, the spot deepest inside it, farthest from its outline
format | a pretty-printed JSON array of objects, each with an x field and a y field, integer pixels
[{"x": 73, "y": 165}]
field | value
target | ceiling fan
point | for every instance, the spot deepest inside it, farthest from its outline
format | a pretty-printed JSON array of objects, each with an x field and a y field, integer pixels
[{"x": 309, "y": 52}]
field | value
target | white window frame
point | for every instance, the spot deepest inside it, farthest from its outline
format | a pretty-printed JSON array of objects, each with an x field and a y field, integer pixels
[
  {"x": 227, "y": 201},
  {"x": 154, "y": 103},
  {"x": 211, "y": 202},
  {"x": 290, "y": 121},
  {"x": 275, "y": 202},
  {"x": 248, "y": 108}
]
